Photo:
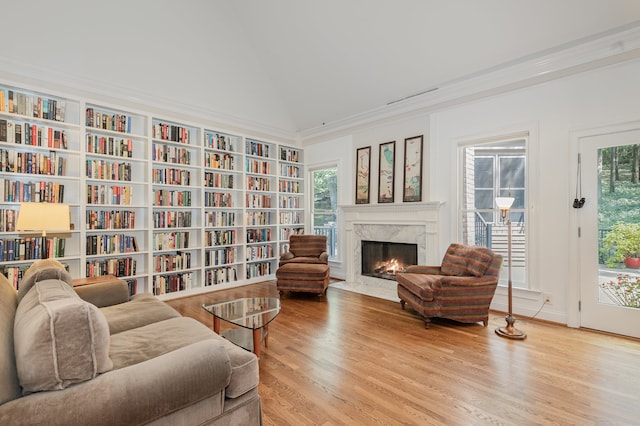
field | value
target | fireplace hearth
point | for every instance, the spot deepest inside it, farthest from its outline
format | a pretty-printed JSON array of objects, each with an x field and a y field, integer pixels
[{"x": 383, "y": 259}]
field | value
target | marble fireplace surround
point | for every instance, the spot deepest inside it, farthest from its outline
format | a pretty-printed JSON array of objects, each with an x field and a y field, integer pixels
[{"x": 415, "y": 223}]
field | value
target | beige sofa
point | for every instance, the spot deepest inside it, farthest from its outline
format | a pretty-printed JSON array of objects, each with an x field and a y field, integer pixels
[{"x": 102, "y": 359}]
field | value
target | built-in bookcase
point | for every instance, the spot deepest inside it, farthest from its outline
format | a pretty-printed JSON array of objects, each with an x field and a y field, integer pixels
[
  {"x": 172, "y": 207},
  {"x": 116, "y": 195},
  {"x": 261, "y": 208},
  {"x": 176, "y": 198},
  {"x": 223, "y": 208},
  {"x": 39, "y": 162},
  {"x": 291, "y": 200}
]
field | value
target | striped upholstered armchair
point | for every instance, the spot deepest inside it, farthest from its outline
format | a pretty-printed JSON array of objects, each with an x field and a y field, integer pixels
[
  {"x": 305, "y": 267},
  {"x": 460, "y": 289}
]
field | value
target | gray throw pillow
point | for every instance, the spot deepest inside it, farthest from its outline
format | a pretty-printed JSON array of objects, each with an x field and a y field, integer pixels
[{"x": 59, "y": 339}]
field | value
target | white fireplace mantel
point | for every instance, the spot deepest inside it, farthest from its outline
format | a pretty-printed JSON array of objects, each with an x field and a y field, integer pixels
[{"x": 417, "y": 223}]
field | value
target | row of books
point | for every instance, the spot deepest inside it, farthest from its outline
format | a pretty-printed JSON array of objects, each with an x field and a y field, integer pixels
[
  {"x": 107, "y": 145},
  {"x": 163, "y": 284},
  {"x": 219, "y": 219},
  {"x": 111, "y": 244},
  {"x": 31, "y": 105},
  {"x": 170, "y": 154},
  {"x": 260, "y": 269},
  {"x": 220, "y": 237},
  {"x": 260, "y": 235},
  {"x": 170, "y": 132},
  {"x": 258, "y": 201},
  {"x": 110, "y": 219},
  {"x": 170, "y": 219},
  {"x": 259, "y": 218},
  {"x": 15, "y": 273},
  {"x": 259, "y": 253},
  {"x": 32, "y": 163},
  {"x": 109, "y": 194},
  {"x": 108, "y": 121},
  {"x": 290, "y": 218},
  {"x": 288, "y": 154},
  {"x": 289, "y": 186},
  {"x": 220, "y": 275},
  {"x": 170, "y": 241},
  {"x": 113, "y": 170},
  {"x": 8, "y": 219},
  {"x": 218, "y": 199},
  {"x": 172, "y": 262},
  {"x": 35, "y": 192},
  {"x": 258, "y": 184},
  {"x": 218, "y": 141},
  {"x": 258, "y": 166},
  {"x": 258, "y": 149},
  {"x": 32, "y": 134},
  {"x": 222, "y": 256},
  {"x": 29, "y": 248},
  {"x": 289, "y": 170},
  {"x": 218, "y": 180},
  {"x": 286, "y": 202},
  {"x": 164, "y": 197},
  {"x": 120, "y": 267},
  {"x": 219, "y": 161},
  {"x": 171, "y": 177},
  {"x": 286, "y": 233}
]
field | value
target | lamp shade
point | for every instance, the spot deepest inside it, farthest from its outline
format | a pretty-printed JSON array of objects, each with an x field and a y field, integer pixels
[
  {"x": 504, "y": 203},
  {"x": 43, "y": 218}
]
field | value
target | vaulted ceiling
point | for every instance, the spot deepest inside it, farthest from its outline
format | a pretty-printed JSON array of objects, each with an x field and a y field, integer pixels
[{"x": 290, "y": 65}]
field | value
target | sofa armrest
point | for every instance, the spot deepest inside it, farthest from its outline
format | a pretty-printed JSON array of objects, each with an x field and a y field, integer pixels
[
  {"x": 133, "y": 395},
  {"x": 422, "y": 269},
  {"x": 287, "y": 256},
  {"x": 486, "y": 280},
  {"x": 105, "y": 293}
]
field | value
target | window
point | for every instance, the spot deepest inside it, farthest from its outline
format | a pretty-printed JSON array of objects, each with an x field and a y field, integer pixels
[
  {"x": 324, "y": 196},
  {"x": 491, "y": 170}
]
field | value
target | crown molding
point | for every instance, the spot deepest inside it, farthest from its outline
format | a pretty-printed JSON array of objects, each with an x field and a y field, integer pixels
[
  {"x": 616, "y": 46},
  {"x": 49, "y": 79}
]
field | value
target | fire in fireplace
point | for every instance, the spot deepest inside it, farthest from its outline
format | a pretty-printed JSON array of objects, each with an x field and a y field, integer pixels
[{"x": 382, "y": 259}]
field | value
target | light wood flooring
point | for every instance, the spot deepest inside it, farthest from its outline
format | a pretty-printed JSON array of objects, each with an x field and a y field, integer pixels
[{"x": 358, "y": 360}]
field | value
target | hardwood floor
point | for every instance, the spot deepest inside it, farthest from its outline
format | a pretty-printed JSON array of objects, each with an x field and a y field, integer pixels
[{"x": 355, "y": 359}]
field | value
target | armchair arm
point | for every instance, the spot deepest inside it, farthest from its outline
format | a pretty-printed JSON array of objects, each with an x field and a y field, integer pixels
[
  {"x": 421, "y": 269},
  {"x": 287, "y": 256},
  {"x": 452, "y": 280},
  {"x": 137, "y": 394},
  {"x": 324, "y": 257},
  {"x": 104, "y": 294}
]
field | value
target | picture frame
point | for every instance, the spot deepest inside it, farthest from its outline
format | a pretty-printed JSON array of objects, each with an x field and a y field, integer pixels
[
  {"x": 386, "y": 172},
  {"x": 363, "y": 174},
  {"x": 412, "y": 178}
]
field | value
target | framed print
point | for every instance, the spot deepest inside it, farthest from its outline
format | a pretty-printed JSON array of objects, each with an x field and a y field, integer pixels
[
  {"x": 412, "y": 169},
  {"x": 363, "y": 175},
  {"x": 386, "y": 175}
]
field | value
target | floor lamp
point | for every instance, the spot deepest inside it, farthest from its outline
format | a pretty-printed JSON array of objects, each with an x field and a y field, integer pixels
[
  {"x": 510, "y": 332},
  {"x": 44, "y": 219}
]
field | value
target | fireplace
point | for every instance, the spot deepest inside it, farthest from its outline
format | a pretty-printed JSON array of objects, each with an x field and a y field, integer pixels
[{"x": 382, "y": 259}]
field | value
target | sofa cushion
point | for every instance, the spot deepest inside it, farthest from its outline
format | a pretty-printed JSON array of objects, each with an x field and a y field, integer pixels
[
  {"x": 9, "y": 385},
  {"x": 143, "y": 309},
  {"x": 59, "y": 339},
  {"x": 462, "y": 260},
  {"x": 140, "y": 344}
]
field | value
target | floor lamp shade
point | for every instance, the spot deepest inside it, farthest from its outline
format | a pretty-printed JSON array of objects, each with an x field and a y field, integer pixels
[{"x": 44, "y": 218}]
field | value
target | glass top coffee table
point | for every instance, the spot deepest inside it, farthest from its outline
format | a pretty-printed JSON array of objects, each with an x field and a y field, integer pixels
[{"x": 252, "y": 314}]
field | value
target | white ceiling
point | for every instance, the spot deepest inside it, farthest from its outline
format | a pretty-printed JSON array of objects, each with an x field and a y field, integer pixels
[{"x": 292, "y": 65}]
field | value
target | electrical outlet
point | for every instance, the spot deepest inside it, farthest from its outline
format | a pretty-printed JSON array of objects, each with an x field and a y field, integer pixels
[{"x": 547, "y": 298}]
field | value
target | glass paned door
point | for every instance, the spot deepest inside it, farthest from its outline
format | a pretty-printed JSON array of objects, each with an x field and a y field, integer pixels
[{"x": 610, "y": 233}]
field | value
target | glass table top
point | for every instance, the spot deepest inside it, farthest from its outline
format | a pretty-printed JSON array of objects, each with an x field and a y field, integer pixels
[{"x": 251, "y": 312}]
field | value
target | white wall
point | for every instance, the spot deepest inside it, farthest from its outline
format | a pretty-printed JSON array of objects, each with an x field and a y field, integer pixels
[{"x": 550, "y": 112}]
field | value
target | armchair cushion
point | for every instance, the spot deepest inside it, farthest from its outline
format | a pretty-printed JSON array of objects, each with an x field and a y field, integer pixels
[
  {"x": 308, "y": 245},
  {"x": 463, "y": 260}
]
